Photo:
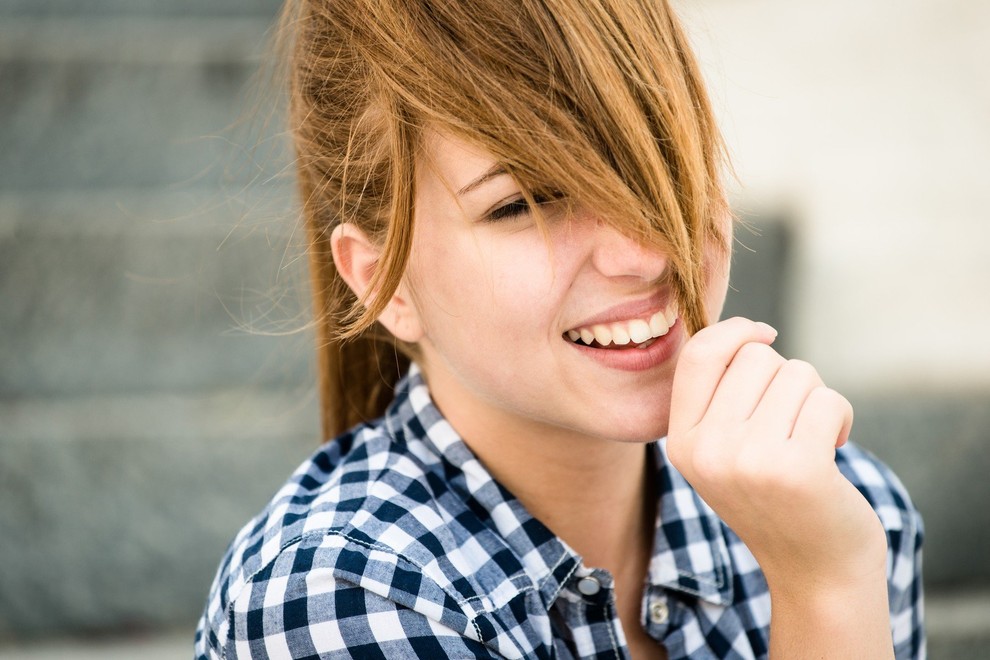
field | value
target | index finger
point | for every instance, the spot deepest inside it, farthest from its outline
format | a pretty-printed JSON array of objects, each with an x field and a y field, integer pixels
[{"x": 703, "y": 362}]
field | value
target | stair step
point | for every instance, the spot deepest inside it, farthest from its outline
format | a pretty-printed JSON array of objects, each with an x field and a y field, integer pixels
[
  {"x": 102, "y": 498},
  {"x": 120, "y": 291},
  {"x": 134, "y": 39},
  {"x": 75, "y": 8},
  {"x": 936, "y": 442},
  {"x": 123, "y": 103}
]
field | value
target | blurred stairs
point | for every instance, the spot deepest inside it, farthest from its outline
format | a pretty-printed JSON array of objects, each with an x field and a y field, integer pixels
[
  {"x": 147, "y": 408},
  {"x": 152, "y": 394}
]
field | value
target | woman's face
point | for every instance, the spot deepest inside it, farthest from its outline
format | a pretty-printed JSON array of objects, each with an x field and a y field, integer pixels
[{"x": 500, "y": 308}]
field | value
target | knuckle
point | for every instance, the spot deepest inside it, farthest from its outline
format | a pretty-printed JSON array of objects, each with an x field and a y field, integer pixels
[
  {"x": 757, "y": 352},
  {"x": 802, "y": 370},
  {"x": 823, "y": 395},
  {"x": 718, "y": 332},
  {"x": 829, "y": 398},
  {"x": 698, "y": 351},
  {"x": 723, "y": 340},
  {"x": 707, "y": 336}
]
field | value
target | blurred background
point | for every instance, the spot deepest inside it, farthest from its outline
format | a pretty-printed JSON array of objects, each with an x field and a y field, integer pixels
[{"x": 155, "y": 364}]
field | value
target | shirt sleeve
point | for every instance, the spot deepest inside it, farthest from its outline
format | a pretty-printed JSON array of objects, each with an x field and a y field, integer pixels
[
  {"x": 904, "y": 587},
  {"x": 905, "y": 534},
  {"x": 310, "y": 612}
]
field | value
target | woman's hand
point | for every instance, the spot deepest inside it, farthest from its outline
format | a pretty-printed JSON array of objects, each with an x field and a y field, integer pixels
[{"x": 755, "y": 434}]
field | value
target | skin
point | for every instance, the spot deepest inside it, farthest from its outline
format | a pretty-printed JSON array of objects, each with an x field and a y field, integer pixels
[{"x": 487, "y": 304}]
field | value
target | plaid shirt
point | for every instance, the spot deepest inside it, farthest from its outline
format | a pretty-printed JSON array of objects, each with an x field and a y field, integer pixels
[{"x": 393, "y": 541}]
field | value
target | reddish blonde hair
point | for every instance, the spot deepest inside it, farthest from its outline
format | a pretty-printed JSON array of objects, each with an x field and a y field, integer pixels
[{"x": 600, "y": 100}]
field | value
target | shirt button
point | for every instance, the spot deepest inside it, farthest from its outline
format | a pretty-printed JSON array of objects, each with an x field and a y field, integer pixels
[
  {"x": 659, "y": 612},
  {"x": 589, "y": 586}
]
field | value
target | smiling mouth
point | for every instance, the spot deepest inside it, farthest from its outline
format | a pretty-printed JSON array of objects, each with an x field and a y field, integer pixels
[{"x": 624, "y": 335}]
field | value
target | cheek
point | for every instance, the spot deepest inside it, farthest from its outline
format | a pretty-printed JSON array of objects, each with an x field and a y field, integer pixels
[
  {"x": 523, "y": 280},
  {"x": 451, "y": 286},
  {"x": 485, "y": 302},
  {"x": 526, "y": 289}
]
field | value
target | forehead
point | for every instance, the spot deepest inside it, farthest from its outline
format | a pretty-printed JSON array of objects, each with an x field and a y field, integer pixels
[{"x": 451, "y": 162}]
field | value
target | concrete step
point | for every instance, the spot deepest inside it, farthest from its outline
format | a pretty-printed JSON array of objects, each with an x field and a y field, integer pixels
[
  {"x": 76, "y": 8},
  {"x": 132, "y": 103},
  {"x": 140, "y": 39},
  {"x": 156, "y": 645},
  {"x": 122, "y": 291},
  {"x": 116, "y": 511},
  {"x": 936, "y": 441},
  {"x": 958, "y": 624}
]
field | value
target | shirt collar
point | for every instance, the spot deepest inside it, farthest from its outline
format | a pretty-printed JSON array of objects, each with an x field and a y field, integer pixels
[
  {"x": 546, "y": 559},
  {"x": 689, "y": 554}
]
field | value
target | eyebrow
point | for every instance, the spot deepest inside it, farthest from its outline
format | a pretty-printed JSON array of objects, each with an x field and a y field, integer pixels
[{"x": 494, "y": 171}]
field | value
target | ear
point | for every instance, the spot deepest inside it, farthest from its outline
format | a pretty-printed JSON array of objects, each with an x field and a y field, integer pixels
[{"x": 356, "y": 257}]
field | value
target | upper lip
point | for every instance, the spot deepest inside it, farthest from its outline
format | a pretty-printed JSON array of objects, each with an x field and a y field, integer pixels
[{"x": 636, "y": 309}]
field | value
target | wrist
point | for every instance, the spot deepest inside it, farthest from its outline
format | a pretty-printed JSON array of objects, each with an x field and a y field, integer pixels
[
  {"x": 802, "y": 572},
  {"x": 823, "y": 595},
  {"x": 834, "y": 620}
]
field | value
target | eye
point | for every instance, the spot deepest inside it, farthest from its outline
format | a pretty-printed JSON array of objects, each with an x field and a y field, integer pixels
[
  {"x": 518, "y": 206},
  {"x": 511, "y": 209}
]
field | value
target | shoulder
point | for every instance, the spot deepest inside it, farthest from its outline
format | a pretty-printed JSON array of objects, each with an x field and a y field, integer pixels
[
  {"x": 328, "y": 595},
  {"x": 905, "y": 535},
  {"x": 881, "y": 488},
  {"x": 368, "y": 542}
]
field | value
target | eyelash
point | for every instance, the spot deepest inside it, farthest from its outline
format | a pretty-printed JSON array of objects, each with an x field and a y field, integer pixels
[{"x": 519, "y": 207}]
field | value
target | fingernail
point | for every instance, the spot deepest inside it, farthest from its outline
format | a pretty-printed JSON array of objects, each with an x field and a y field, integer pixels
[{"x": 769, "y": 328}]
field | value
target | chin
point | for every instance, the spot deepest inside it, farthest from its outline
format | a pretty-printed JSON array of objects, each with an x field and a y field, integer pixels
[
  {"x": 639, "y": 438},
  {"x": 631, "y": 430},
  {"x": 639, "y": 420}
]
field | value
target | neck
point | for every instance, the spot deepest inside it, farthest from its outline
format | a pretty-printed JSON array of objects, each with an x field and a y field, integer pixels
[
  {"x": 597, "y": 501},
  {"x": 595, "y": 494}
]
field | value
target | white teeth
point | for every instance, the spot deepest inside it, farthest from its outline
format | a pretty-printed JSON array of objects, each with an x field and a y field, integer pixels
[
  {"x": 658, "y": 325},
  {"x": 639, "y": 331},
  {"x": 620, "y": 336},
  {"x": 603, "y": 334}
]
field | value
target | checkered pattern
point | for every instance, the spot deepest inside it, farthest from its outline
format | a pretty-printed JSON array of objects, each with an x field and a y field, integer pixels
[{"x": 394, "y": 542}]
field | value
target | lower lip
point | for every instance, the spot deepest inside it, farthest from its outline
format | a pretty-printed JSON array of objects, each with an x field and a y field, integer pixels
[{"x": 637, "y": 359}]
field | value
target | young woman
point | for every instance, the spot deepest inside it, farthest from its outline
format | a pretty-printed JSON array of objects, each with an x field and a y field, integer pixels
[{"x": 519, "y": 251}]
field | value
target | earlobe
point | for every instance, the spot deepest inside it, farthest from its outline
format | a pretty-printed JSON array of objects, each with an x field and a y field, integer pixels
[
  {"x": 401, "y": 317},
  {"x": 356, "y": 258}
]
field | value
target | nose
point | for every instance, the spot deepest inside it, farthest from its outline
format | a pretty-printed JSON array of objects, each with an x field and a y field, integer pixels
[{"x": 615, "y": 255}]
